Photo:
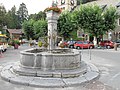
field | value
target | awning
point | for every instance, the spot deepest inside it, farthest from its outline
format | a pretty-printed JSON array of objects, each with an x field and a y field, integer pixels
[{"x": 3, "y": 35}]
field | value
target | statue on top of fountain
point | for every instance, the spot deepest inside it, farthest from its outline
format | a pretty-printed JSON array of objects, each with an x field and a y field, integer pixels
[{"x": 54, "y": 4}]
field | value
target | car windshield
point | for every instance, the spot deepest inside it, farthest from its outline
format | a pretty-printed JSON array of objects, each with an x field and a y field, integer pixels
[
  {"x": 85, "y": 42},
  {"x": 79, "y": 42},
  {"x": 71, "y": 41},
  {"x": 118, "y": 41},
  {"x": 107, "y": 41}
]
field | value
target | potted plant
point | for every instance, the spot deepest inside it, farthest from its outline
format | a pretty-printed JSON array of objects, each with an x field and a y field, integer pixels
[
  {"x": 16, "y": 44},
  {"x": 40, "y": 43},
  {"x": 54, "y": 8}
]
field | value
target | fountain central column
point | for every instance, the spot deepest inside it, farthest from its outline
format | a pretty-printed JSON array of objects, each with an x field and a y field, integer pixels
[{"x": 52, "y": 18}]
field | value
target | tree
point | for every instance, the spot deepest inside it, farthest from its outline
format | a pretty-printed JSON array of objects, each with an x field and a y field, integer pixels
[
  {"x": 93, "y": 20},
  {"x": 33, "y": 16},
  {"x": 39, "y": 16},
  {"x": 110, "y": 16},
  {"x": 89, "y": 18},
  {"x": 28, "y": 29},
  {"x": 22, "y": 13},
  {"x": 66, "y": 25},
  {"x": 40, "y": 28},
  {"x": 13, "y": 21},
  {"x": 3, "y": 20}
]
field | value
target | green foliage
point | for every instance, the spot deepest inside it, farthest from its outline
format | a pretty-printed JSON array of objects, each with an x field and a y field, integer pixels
[
  {"x": 36, "y": 26},
  {"x": 110, "y": 16},
  {"x": 45, "y": 44},
  {"x": 16, "y": 42},
  {"x": 66, "y": 25},
  {"x": 39, "y": 16},
  {"x": 35, "y": 29},
  {"x": 40, "y": 44},
  {"x": 13, "y": 42},
  {"x": 22, "y": 13},
  {"x": 12, "y": 18},
  {"x": 40, "y": 28},
  {"x": 93, "y": 20},
  {"x": 73, "y": 35},
  {"x": 3, "y": 19},
  {"x": 29, "y": 29}
]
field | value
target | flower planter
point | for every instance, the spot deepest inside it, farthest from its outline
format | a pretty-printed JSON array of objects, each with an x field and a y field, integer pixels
[{"x": 16, "y": 46}]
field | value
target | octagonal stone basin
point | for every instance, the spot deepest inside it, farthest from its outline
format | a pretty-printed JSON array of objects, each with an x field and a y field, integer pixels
[{"x": 57, "y": 59}]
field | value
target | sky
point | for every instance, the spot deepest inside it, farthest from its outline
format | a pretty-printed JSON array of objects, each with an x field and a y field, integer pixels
[{"x": 33, "y": 6}]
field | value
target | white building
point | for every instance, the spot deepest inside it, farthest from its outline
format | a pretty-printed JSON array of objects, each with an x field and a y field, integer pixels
[{"x": 67, "y": 4}]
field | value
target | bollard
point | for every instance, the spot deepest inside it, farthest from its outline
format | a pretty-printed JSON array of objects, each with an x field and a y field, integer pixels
[{"x": 115, "y": 46}]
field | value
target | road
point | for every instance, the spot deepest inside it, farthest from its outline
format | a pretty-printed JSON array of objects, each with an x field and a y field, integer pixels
[{"x": 106, "y": 60}]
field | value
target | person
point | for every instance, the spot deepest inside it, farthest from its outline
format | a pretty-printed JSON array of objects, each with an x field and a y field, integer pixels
[
  {"x": 54, "y": 4},
  {"x": 1, "y": 52},
  {"x": 34, "y": 42},
  {"x": 30, "y": 42}
]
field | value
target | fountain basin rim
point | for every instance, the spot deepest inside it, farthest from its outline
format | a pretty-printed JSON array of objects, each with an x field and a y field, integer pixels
[{"x": 71, "y": 52}]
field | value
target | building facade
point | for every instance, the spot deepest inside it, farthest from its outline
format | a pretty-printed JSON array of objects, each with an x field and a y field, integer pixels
[
  {"x": 114, "y": 35},
  {"x": 15, "y": 33},
  {"x": 70, "y": 4},
  {"x": 66, "y": 4}
]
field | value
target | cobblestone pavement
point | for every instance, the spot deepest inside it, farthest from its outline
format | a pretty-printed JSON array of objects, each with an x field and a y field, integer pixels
[{"x": 13, "y": 55}]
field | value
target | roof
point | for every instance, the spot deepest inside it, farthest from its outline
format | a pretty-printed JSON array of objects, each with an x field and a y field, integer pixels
[
  {"x": 118, "y": 5},
  {"x": 15, "y": 31},
  {"x": 103, "y": 6},
  {"x": 105, "y": 2}
]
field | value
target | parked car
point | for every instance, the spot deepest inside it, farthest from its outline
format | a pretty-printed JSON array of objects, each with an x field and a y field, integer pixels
[
  {"x": 25, "y": 41},
  {"x": 107, "y": 44},
  {"x": 83, "y": 45},
  {"x": 71, "y": 43},
  {"x": 65, "y": 44}
]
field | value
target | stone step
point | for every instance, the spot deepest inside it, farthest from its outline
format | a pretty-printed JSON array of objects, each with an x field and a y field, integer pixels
[{"x": 18, "y": 69}]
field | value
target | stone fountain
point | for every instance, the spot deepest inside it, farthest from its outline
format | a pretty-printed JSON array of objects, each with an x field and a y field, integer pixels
[{"x": 51, "y": 67}]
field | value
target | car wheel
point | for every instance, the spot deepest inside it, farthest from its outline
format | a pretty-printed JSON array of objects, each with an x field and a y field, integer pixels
[
  {"x": 91, "y": 47},
  {"x": 71, "y": 46},
  {"x": 78, "y": 48},
  {"x": 108, "y": 47}
]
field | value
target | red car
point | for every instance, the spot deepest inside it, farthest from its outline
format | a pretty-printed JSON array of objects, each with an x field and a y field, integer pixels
[
  {"x": 107, "y": 43},
  {"x": 65, "y": 44},
  {"x": 83, "y": 45}
]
